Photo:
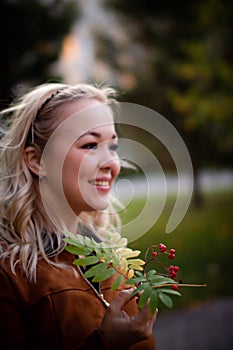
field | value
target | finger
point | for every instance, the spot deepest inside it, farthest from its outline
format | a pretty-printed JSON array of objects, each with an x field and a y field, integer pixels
[
  {"x": 145, "y": 313},
  {"x": 122, "y": 298}
]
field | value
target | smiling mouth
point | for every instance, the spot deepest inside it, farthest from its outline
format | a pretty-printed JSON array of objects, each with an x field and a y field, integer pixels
[{"x": 98, "y": 183}]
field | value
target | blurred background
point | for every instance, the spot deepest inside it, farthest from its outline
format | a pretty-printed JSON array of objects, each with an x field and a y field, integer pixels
[{"x": 174, "y": 57}]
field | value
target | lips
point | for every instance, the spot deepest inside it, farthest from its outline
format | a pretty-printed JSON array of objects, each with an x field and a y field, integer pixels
[
  {"x": 100, "y": 183},
  {"x": 103, "y": 184}
]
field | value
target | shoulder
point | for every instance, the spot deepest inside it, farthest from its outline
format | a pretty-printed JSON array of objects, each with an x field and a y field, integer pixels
[
  {"x": 7, "y": 290},
  {"x": 50, "y": 280}
]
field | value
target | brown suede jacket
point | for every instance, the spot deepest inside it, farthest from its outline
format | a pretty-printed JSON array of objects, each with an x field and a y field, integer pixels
[{"x": 59, "y": 311}]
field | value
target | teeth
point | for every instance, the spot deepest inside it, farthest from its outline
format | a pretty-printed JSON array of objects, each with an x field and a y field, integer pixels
[{"x": 100, "y": 183}]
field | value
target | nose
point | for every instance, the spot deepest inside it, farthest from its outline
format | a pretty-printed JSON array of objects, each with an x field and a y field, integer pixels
[{"x": 110, "y": 163}]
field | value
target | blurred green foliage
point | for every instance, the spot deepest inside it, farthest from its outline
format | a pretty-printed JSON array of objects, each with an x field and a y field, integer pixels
[{"x": 186, "y": 73}]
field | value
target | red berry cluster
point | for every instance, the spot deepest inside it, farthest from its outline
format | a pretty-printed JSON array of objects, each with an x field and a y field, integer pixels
[
  {"x": 171, "y": 255},
  {"x": 163, "y": 249},
  {"x": 171, "y": 270}
]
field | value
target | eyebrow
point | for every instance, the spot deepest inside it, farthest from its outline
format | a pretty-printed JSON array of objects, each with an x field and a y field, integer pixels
[{"x": 95, "y": 134}]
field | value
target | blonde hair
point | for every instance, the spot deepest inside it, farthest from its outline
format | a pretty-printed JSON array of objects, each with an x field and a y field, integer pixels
[{"x": 26, "y": 234}]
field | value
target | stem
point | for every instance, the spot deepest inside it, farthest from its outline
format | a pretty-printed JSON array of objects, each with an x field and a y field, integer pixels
[
  {"x": 148, "y": 261},
  {"x": 157, "y": 260},
  {"x": 162, "y": 274},
  {"x": 180, "y": 285},
  {"x": 147, "y": 251},
  {"x": 161, "y": 264}
]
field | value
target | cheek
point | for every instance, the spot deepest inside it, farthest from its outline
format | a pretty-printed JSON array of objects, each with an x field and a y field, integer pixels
[
  {"x": 77, "y": 166},
  {"x": 70, "y": 169}
]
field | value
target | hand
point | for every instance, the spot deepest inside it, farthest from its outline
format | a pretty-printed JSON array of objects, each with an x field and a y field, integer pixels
[{"x": 123, "y": 331}]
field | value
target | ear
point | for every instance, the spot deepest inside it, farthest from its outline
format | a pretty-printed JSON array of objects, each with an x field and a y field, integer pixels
[{"x": 33, "y": 160}]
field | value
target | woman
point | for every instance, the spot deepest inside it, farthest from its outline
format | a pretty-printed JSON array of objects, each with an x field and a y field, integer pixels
[{"x": 58, "y": 164}]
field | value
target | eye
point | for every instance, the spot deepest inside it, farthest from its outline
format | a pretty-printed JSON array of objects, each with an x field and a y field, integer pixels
[
  {"x": 90, "y": 145},
  {"x": 114, "y": 147}
]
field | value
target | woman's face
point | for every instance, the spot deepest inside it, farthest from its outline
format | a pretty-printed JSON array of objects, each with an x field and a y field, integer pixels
[{"x": 90, "y": 164}]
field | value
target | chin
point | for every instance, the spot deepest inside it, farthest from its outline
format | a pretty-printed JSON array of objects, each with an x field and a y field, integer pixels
[{"x": 99, "y": 206}]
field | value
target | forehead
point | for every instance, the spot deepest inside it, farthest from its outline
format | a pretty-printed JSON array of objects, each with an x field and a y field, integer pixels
[
  {"x": 79, "y": 117},
  {"x": 89, "y": 112}
]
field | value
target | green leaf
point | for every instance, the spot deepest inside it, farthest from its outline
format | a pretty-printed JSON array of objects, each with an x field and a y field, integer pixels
[
  {"x": 96, "y": 269},
  {"x": 70, "y": 241},
  {"x": 107, "y": 254},
  {"x": 169, "y": 291},
  {"x": 135, "y": 280},
  {"x": 103, "y": 245},
  {"x": 153, "y": 304},
  {"x": 139, "y": 274},
  {"x": 135, "y": 292},
  {"x": 144, "y": 297},
  {"x": 74, "y": 239},
  {"x": 104, "y": 275},
  {"x": 98, "y": 252},
  {"x": 89, "y": 260},
  {"x": 93, "y": 242},
  {"x": 115, "y": 260},
  {"x": 78, "y": 250},
  {"x": 140, "y": 288},
  {"x": 89, "y": 242},
  {"x": 166, "y": 300},
  {"x": 157, "y": 280},
  {"x": 151, "y": 274},
  {"x": 117, "y": 282}
]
